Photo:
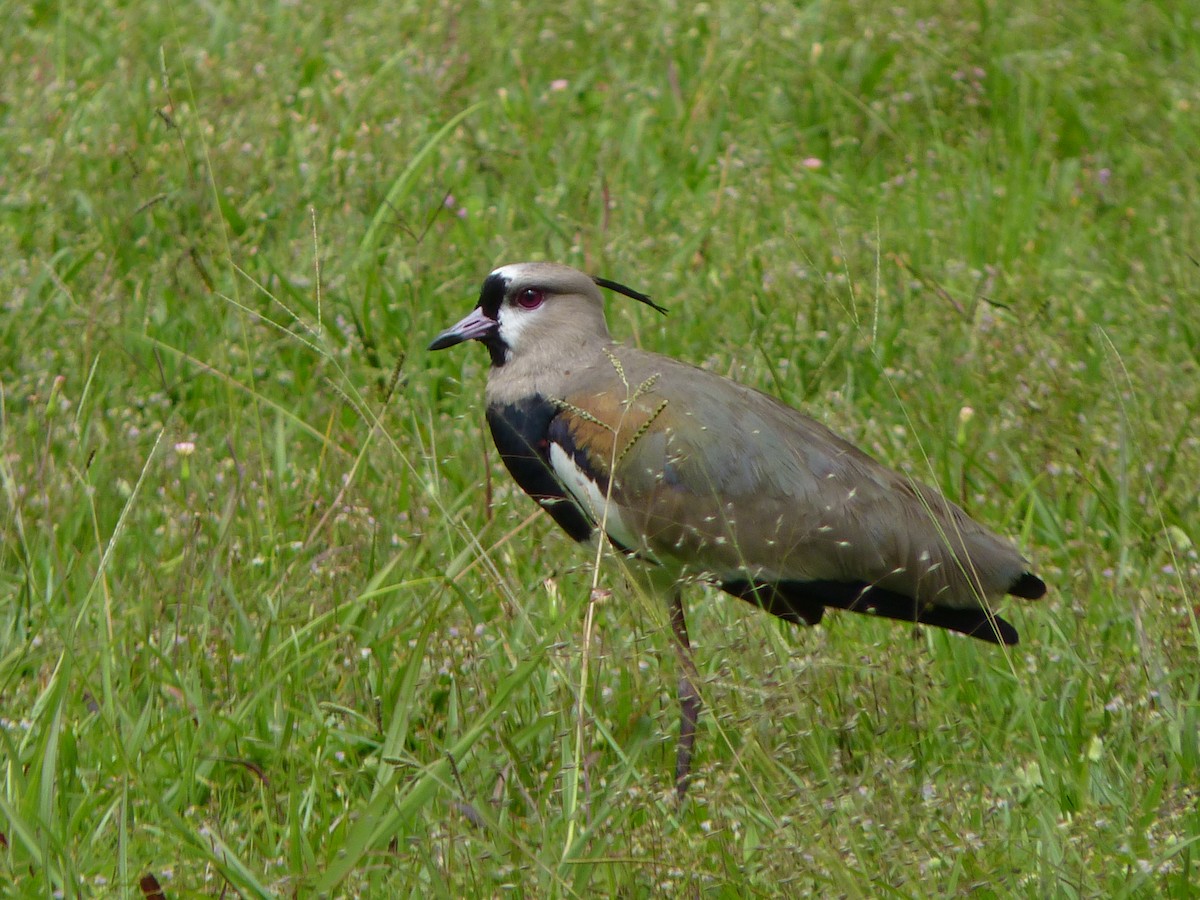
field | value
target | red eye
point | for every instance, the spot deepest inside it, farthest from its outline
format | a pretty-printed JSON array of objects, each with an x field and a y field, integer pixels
[{"x": 530, "y": 298}]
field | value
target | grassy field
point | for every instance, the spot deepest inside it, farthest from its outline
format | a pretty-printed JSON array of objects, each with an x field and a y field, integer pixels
[{"x": 273, "y": 621}]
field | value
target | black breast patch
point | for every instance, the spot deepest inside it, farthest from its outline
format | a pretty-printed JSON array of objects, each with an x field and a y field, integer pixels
[{"x": 520, "y": 432}]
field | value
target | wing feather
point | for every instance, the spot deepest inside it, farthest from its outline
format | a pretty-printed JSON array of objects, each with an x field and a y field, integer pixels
[{"x": 736, "y": 485}]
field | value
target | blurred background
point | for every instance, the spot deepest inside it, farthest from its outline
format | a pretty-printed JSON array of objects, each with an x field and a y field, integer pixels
[{"x": 273, "y": 621}]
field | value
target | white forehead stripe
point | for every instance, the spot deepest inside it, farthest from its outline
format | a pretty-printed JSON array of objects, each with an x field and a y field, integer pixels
[{"x": 512, "y": 271}]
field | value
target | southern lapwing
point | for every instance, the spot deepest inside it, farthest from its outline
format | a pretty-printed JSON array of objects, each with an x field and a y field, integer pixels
[{"x": 703, "y": 478}]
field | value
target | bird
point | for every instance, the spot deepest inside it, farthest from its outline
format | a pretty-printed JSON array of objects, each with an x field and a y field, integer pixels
[{"x": 701, "y": 478}]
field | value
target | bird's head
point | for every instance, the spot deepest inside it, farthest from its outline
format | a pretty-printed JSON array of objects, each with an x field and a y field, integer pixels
[{"x": 528, "y": 306}]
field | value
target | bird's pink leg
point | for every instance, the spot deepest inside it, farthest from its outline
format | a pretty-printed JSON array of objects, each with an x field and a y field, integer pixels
[{"x": 689, "y": 695}]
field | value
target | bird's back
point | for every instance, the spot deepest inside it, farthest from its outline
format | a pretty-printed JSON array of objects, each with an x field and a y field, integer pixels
[{"x": 728, "y": 482}]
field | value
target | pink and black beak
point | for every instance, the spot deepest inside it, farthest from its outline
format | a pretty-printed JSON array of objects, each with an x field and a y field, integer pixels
[
  {"x": 482, "y": 323},
  {"x": 475, "y": 326}
]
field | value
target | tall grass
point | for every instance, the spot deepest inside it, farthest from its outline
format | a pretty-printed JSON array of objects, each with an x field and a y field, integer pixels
[{"x": 272, "y": 618}]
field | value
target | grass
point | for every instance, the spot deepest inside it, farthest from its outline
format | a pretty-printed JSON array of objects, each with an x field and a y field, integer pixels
[{"x": 273, "y": 621}]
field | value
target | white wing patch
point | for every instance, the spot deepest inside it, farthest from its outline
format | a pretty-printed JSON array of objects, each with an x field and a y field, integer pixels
[{"x": 591, "y": 499}]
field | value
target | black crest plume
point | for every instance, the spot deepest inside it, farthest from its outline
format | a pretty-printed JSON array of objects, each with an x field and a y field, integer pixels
[{"x": 629, "y": 292}]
